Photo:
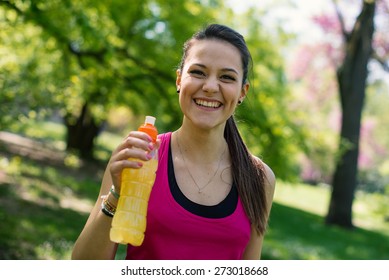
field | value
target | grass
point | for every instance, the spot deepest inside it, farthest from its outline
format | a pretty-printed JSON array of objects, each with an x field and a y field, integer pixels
[
  {"x": 43, "y": 208},
  {"x": 297, "y": 229},
  {"x": 44, "y": 205}
]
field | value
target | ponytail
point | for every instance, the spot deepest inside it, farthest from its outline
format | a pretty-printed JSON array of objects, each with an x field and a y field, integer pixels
[{"x": 248, "y": 175}]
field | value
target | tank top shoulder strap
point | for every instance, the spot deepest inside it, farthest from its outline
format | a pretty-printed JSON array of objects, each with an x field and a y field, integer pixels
[
  {"x": 165, "y": 141},
  {"x": 163, "y": 151}
]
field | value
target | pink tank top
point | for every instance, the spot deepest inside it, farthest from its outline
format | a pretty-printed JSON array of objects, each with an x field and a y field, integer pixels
[{"x": 174, "y": 233}]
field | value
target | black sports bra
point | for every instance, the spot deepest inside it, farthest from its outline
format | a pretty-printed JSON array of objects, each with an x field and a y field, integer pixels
[{"x": 221, "y": 210}]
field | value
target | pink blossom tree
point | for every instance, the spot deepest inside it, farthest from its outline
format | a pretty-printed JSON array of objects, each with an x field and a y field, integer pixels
[
  {"x": 360, "y": 45},
  {"x": 356, "y": 34}
]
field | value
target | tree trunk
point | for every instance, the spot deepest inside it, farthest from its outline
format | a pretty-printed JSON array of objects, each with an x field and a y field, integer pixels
[
  {"x": 81, "y": 133},
  {"x": 352, "y": 75}
]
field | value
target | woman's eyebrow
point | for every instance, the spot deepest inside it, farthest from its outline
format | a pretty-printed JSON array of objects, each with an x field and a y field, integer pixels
[
  {"x": 199, "y": 65},
  {"x": 230, "y": 70}
]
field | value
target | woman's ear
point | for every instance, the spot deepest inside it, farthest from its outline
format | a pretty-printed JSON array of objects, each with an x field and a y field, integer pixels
[
  {"x": 243, "y": 92},
  {"x": 178, "y": 78}
]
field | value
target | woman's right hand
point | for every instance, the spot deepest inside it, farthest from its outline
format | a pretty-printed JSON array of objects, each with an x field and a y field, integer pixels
[
  {"x": 94, "y": 241},
  {"x": 134, "y": 149}
]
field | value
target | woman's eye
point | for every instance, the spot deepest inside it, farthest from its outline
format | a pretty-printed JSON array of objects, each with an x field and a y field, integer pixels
[
  {"x": 197, "y": 72},
  {"x": 228, "y": 77}
]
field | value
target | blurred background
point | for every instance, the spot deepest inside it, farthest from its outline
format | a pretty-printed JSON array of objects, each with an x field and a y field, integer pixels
[{"x": 76, "y": 76}]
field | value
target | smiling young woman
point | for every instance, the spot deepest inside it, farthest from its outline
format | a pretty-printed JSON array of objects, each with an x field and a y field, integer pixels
[
  {"x": 211, "y": 83},
  {"x": 211, "y": 198}
]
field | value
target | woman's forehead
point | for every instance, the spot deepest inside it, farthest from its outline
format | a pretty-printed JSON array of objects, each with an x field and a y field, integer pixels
[{"x": 211, "y": 51}]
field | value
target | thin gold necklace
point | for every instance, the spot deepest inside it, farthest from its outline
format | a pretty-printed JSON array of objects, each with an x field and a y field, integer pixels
[{"x": 186, "y": 166}]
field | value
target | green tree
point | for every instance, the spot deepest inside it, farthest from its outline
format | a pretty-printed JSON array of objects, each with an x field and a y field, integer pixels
[
  {"x": 97, "y": 55},
  {"x": 108, "y": 53}
]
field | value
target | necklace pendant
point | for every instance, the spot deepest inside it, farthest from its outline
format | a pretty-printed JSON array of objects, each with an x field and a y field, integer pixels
[{"x": 190, "y": 174}]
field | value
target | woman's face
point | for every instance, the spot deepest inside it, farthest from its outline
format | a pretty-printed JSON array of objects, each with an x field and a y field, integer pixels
[{"x": 211, "y": 82}]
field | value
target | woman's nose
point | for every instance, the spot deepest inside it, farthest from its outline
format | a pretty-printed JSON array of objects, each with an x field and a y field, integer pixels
[{"x": 211, "y": 85}]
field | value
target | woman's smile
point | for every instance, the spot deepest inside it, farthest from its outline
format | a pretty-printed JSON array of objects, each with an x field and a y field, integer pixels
[{"x": 207, "y": 104}]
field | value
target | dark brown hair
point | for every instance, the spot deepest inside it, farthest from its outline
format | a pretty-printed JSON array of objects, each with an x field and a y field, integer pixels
[{"x": 247, "y": 172}]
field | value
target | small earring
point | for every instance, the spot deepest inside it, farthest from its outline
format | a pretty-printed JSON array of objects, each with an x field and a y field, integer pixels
[
  {"x": 178, "y": 90},
  {"x": 239, "y": 102}
]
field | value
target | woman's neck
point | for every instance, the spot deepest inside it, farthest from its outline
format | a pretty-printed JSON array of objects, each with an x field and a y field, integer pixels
[{"x": 200, "y": 145}]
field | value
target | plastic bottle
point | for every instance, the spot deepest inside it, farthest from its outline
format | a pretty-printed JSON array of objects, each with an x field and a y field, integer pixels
[{"x": 129, "y": 221}]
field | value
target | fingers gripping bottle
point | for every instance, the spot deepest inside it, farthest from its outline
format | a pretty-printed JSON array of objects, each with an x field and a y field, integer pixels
[{"x": 129, "y": 222}]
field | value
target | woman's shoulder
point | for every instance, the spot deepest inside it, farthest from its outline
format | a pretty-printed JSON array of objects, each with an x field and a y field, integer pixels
[
  {"x": 269, "y": 174},
  {"x": 270, "y": 181},
  {"x": 164, "y": 136}
]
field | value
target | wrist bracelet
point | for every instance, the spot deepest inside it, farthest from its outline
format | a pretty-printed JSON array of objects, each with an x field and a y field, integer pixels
[
  {"x": 113, "y": 192},
  {"x": 105, "y": 211},
  {"x": 107, "y": 208}
]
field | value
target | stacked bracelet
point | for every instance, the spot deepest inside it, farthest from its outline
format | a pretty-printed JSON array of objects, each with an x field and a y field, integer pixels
[
  {"x": 107, "y": 208},
  {"x": 113, "y": 192}
]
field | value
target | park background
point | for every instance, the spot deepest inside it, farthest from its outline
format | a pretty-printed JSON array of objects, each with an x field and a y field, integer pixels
[{"x": 76, "y": 76}]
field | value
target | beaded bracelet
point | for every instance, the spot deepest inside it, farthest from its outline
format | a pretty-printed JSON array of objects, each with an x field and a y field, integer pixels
[
  {"x": 107, "y": 208},
  {"x": 113, "y": 192}
]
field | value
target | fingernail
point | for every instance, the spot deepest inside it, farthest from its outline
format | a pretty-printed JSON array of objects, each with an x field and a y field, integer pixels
[
  {"x": 151, "y": 146},
  {"x": 149, "y": 156}
]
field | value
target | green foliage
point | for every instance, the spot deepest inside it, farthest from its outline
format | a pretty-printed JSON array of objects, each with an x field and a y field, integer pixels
[
  {"x": 110, "y": 54},
  {"x": 27, "y": 79},
  {"x": 375, "y": 142},
  {"x": 101, "y": 52}
]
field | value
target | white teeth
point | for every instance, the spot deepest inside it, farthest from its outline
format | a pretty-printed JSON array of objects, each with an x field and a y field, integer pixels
[{"x": 209, "y": 104}]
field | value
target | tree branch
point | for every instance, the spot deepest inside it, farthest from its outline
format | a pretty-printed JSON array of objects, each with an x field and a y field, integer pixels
[
  {"x": 384, "y": 63},
  {"x": 98, "y": 55},
  {"x": 11, "y": 5},
  {"x": 160, "y": 74},
  {"x": 346, "y": 34}
]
